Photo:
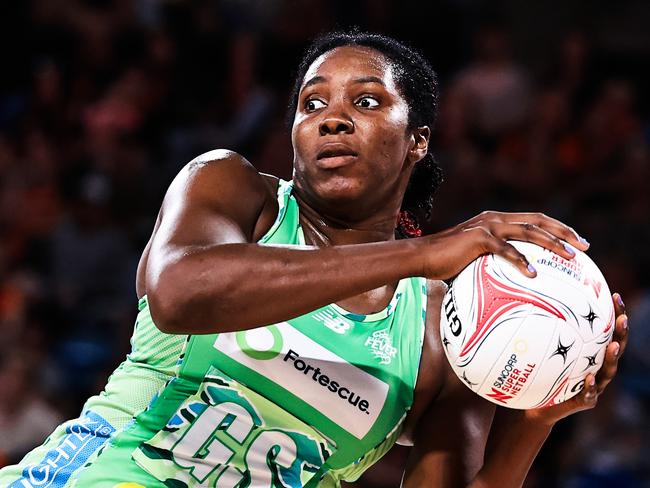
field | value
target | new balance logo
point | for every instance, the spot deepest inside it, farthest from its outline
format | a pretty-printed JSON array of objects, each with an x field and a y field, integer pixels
[{"x": 332, "y": 321}]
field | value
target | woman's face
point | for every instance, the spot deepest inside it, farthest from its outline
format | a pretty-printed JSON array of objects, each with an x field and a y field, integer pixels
[{"x": 350, "y": 138}]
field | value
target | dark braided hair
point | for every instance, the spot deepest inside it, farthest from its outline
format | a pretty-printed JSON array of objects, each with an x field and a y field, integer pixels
[{"x": 418, "y": 84}]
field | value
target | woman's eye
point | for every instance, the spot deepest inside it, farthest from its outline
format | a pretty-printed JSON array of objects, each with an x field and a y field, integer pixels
[
  {"x": 367, "y": 102},
  {"x": 314, "y": 104}
]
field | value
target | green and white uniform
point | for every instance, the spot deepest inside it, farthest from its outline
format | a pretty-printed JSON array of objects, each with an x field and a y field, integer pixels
[{"x": 306, "y": 402}]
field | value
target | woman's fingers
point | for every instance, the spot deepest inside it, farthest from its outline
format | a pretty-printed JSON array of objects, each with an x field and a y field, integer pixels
[
  {"x": 544, "y": 222},
  {"x": 588, "y": 397},
  {"x": 498, "y": 233},
  {"x": 619, "y": 305},
  {"x": 537, "y": 235},
  {"x": 621, "y": 326},
  {"x": 489, "y": 232},
  {"x": 556, "y": 228},
  {"x": 621, "y": 331},
  {"x": 616, "y": 348},
  {"x": 608, "y": 370},
  {"x": 499, "y": 246}
]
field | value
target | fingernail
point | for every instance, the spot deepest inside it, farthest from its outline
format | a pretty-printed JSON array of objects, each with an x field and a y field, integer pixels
[
  {"x": 624, "y": 324},
  {"x": 619, "y": 300},
  {"x": 531, "y": 268},
  {"x": 617, "y": 348},
  {"x": 569, "y": 249},
  {"x": 584, "y": 241},
  {"x": 592, "y": 381}
]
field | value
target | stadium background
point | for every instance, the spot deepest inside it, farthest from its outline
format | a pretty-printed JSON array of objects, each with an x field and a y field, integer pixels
[{"x": 101, "y": 102}]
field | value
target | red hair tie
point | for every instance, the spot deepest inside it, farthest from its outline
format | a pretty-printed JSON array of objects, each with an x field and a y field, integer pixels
[{"x": 408, "y": 225}]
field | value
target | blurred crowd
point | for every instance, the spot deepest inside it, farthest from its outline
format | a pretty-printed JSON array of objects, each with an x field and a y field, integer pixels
[{"x": 102, "y": 102}]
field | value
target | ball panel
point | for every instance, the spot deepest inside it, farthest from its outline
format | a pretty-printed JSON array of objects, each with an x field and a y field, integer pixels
[
  {"x": 579, "y": 283},
  {"x": 560, "y": 361},
  {"x": 477, "y": 369},
  {"x": 512, "y": 376}
]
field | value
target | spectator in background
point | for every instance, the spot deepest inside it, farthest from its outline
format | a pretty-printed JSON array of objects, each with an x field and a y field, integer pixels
[
  {"x": 493, "y": 91},
  {"x": 532, "y": 150},
  {"x": 92, "y": 263},
  {"x": 609, "y": 125},
  {"x": 26, "y": 418}
]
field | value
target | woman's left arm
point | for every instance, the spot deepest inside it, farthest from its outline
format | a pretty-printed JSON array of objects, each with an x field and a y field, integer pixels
[
  {"x": 450, "y": 438},
  {"x": 528, "y": 429}
]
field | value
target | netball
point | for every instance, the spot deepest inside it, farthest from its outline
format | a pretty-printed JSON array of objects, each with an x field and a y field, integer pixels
[{"x": 525, "y": 342}]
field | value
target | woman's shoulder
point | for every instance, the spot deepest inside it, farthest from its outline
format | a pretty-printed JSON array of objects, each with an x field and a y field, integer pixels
[
  {"x": 227, "y": 178},
  {"x": 226, "y": 166}
]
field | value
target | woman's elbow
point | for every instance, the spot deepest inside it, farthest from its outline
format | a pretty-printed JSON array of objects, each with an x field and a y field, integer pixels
[
  {"x": 166, "y": 311},
  {"x": 181, "y": 301},
  {"x": 177, "y": 310}
]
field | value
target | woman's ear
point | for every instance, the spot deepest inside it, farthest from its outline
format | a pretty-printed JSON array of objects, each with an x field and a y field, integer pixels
[{"x": 420, "y": 143}]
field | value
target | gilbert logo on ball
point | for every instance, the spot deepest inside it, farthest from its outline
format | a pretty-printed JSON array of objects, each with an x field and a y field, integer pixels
[{"x": 527, "y": 342}]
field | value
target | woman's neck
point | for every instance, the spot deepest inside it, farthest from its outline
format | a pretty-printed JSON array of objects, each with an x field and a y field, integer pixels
[{"x": 322, "y": 230}]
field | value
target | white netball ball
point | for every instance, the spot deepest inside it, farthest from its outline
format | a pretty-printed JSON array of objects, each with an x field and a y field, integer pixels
[{"x": 527, "y": 342}]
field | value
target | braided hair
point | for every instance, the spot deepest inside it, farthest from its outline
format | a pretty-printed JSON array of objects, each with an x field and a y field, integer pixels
[{"x": 418, "y": 84}]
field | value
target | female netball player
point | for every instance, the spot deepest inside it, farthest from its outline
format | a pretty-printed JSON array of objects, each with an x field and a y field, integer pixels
[{"x": 212, "y": 395}]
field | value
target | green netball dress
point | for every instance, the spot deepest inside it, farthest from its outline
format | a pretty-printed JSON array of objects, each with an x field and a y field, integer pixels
[{"x": 302, "y": 403}]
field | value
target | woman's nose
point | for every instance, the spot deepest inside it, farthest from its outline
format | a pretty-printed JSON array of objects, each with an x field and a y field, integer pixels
[{"x": 332, "y": 125}]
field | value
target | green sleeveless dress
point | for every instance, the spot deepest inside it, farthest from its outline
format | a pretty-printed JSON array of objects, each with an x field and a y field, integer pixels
[{"x": 302, "y": 403}]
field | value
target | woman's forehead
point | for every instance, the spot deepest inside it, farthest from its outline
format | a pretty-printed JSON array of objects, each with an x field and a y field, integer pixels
[{"x": 353, "y": 62}]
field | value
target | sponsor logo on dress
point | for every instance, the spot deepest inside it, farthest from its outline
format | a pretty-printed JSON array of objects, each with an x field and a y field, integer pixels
[
  {"x": 263, "y": 346},
  {"x": 324, "y": 380},
  {"x": 381, "y": 346}
]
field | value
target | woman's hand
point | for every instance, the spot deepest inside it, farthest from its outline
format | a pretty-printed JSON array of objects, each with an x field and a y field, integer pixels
[
  {"x": 594, "y": 385},
  {"x": 450, "y": 251}
]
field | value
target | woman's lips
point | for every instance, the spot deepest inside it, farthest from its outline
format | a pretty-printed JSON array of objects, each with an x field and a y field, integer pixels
[
  {"x": 334, "y": 162},
  {"x": 335, "y": 155}
]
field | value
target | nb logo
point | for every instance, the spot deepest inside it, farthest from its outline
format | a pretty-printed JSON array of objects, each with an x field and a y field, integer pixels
[{"x": 332, "y": 321}]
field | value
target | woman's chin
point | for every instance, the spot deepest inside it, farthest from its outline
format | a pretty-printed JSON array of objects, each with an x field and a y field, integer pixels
[{"x": 341, "y": 188}]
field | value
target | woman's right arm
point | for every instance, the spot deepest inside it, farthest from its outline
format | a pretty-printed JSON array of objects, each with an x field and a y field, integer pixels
[{"x": 205, "y": 274}]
